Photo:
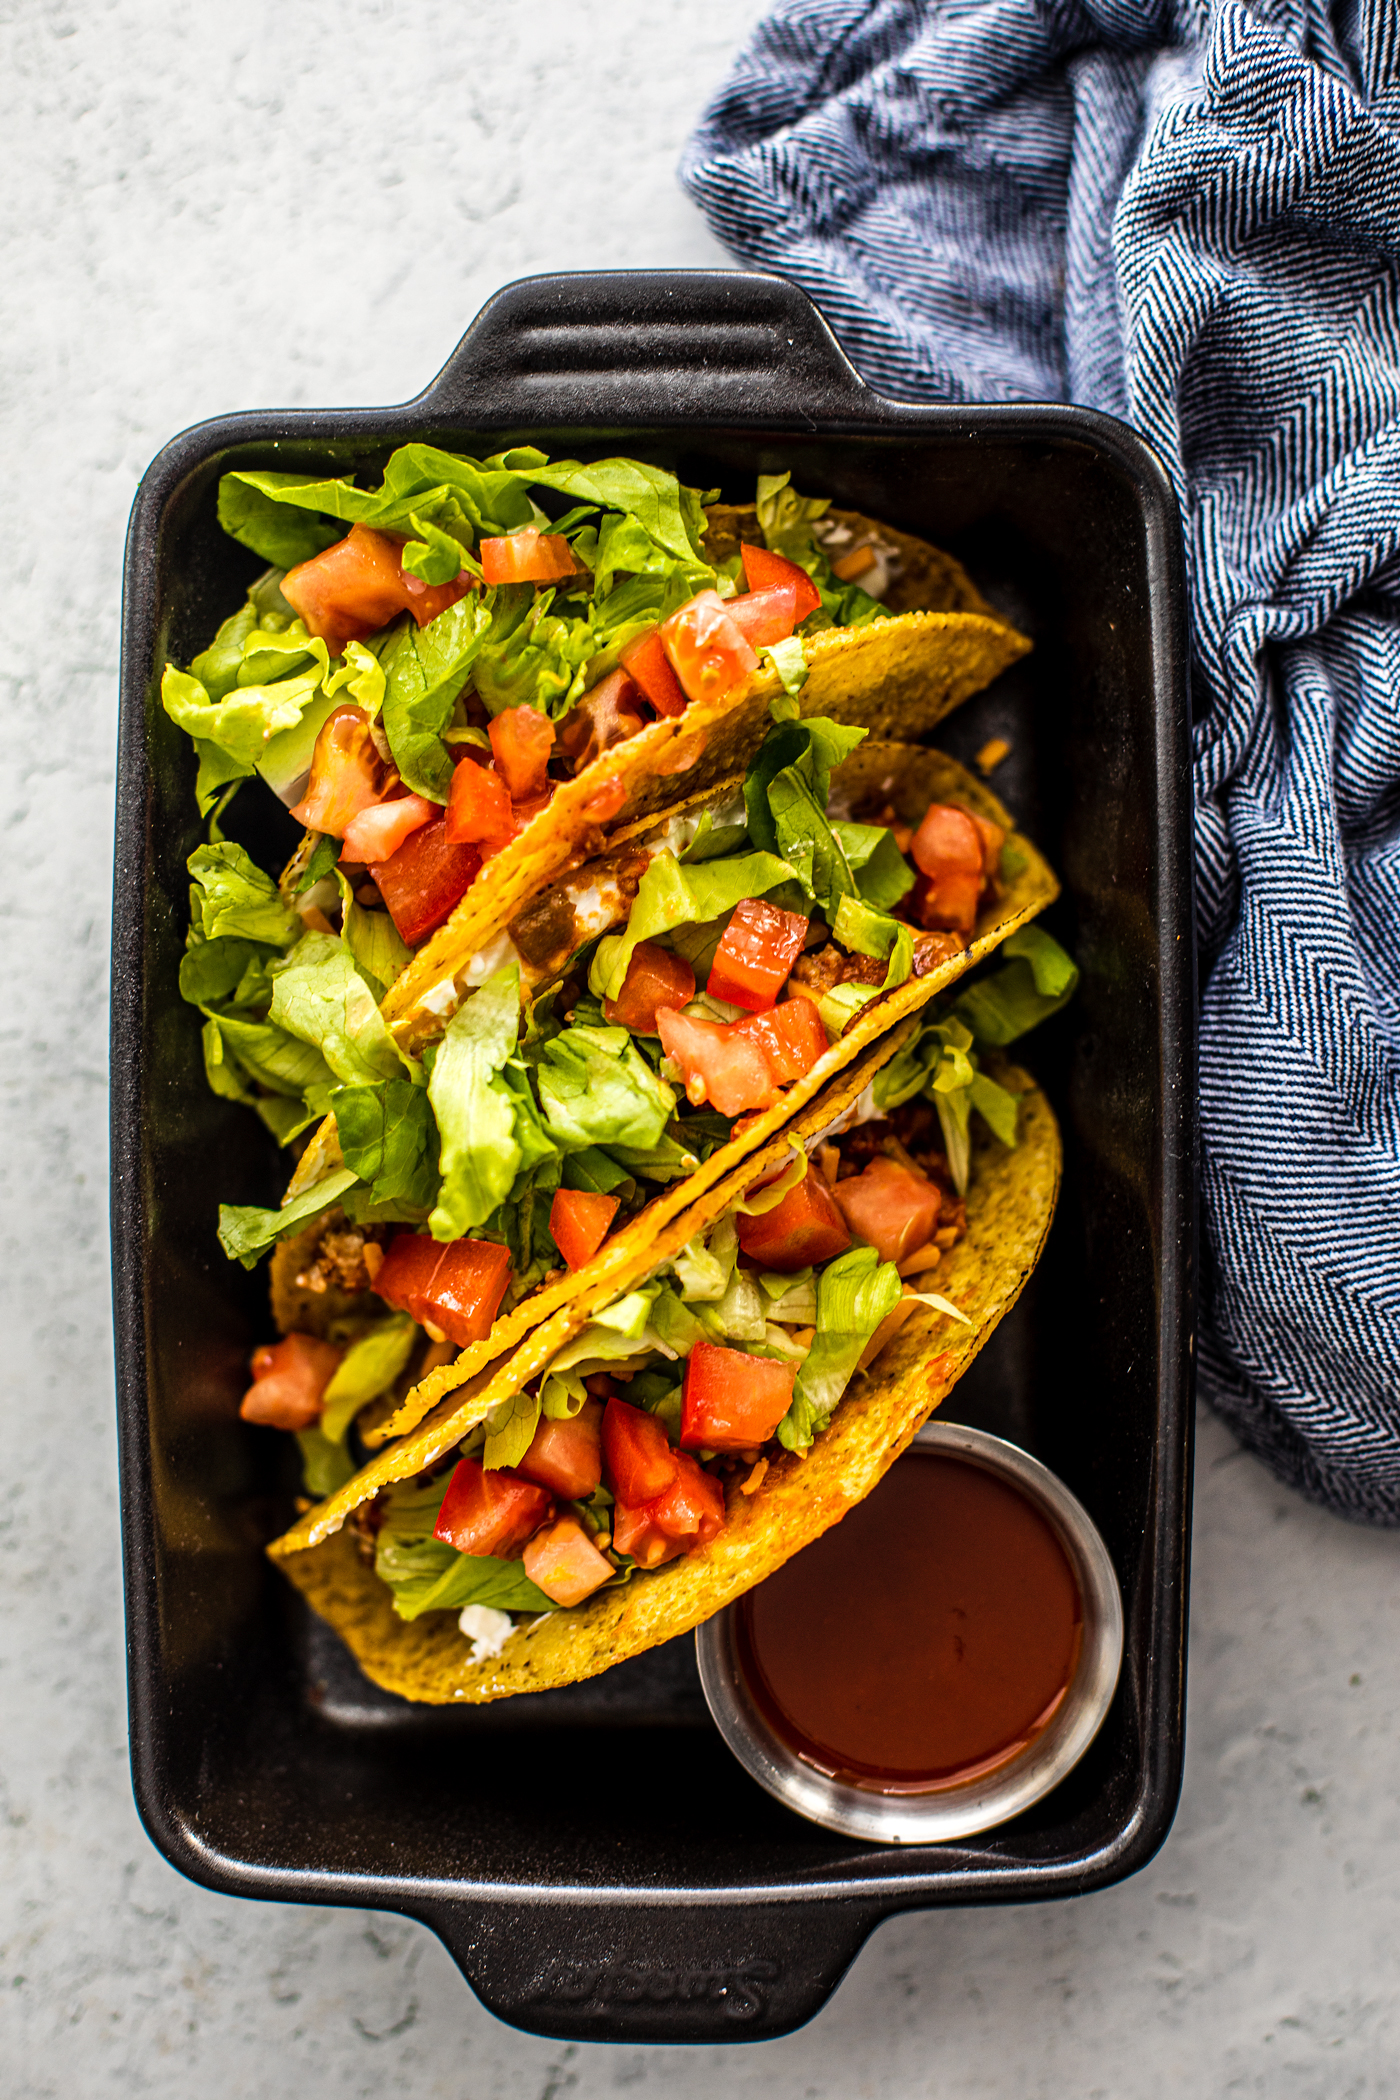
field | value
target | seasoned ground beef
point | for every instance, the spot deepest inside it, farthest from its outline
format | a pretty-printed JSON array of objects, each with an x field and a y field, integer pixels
[{"x": 339, "y": 1260}]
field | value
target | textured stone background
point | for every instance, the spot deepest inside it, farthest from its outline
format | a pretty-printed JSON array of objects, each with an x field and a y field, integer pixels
[{"x": 222, "y": 206}]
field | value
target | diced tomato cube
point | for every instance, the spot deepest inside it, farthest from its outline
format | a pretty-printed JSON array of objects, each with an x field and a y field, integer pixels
[
  {"x": 758, "y": 949},
  {"x": 579, "y": 1220},
  {"x": 466, "y": 1290},
  {"x": 378, "y": 832},
  {"x": 636, "y": 1453},
  {"x": 636, "y": 1531},
  {"x": 479, "y": 811},
  {"x": 425, "y": 880},
  {"x": 993, "y": 839},
  {"x": 350, "y": 590},
  {"x": 426, "y": 600},
  {"x": 655, "y": 978},
  {"x": 763, "y": 569},
  {"x": 646, "y": 661},
  {"x": 765, "y": 617},
  {"x": 521, "y": 742},
  {"x": 564, "y": 1562},
  {"x": 892, "y": 1208},
  {"x": 347, "y": 774},
  {"x": 731, "y": 1401},
  {"x": 406, "y": 1272},
  {"x": 489, "y": 1512},
  {"x": 718, "y": 1062},
  {"x": 793, "y": 1036},
  {"x": 708, "y": 654},
  {"x": 567, "y": 1456},
  {"x": 805, "y": 1228},
  {"x": 289, "y": 1381},
  {"x": 948, "y": 850},
  {"x": 692, "y": 1508},
  {"x": 530, "y": 556}
]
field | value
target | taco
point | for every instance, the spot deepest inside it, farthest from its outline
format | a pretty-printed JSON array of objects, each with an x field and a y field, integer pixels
[
  {"x": 441, "y": 695},
  {"x": 658, "y": 1446},
  {"x": 654, "y": 1058}
]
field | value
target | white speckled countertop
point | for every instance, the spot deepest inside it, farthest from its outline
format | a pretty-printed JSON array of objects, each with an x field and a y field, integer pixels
[{"x": 219, "y": 207}]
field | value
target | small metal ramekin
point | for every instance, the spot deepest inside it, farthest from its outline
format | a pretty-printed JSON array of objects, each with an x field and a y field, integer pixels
[{"x": 958, "y": 1811}]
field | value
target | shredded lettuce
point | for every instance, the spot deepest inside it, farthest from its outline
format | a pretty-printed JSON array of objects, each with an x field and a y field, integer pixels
[
  {"x": 368, "y": 1368},
  {"x": 786, "y": 791},
  {"x": 941, "y": 1064},
  {"x": 320, "y": 997},
  {"x": 868, "y": 932},
  {"x": 424, "y": 671},
  {"x": 854, "y": 1294},
  {"x": 388, "y": 1136},
  {"x": 424, "y": 1574},
  {"x": 488, "y": 1125},
  {"x": 597, "y": 1089},
  {"x": 882, "y": 873},
  {"x": 1037, "y": 980},
  {"x": 372, "y": 938},
  {"x": 510, "y": 1430},
  {"x": 231, "y": 898},
  {"x": 245, "y": 1232}
]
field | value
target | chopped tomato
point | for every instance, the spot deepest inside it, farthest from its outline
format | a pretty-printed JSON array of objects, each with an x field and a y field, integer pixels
[
  {"x": 655, "y": 978},
  {"x": 793, "y": 1036},
  {"x": 636, "y": 1453},
  {"x": 805, "y": 1228},
  {"x": 579, "y": 1221},
  {"x": 489, "y": 1512},
  {"x": 564, "y": 1562},
  {"x": 731, "y": 1401},
  {"x": 607, "y": 715},
  {"x": 427, "y": 877},
  {"x": 765, "y": 617},
  {"x": 993, "y": 839},
  {"x": 718, "y": 1062},
  {"x": 407, "y": 1271},
  {"x": 351, "y": 590},
  {"x": 947, "y": 850},
  {"x": 426, "y": 600},
  {"x": 752, "y": 961},
  {"x": 528, "y": 557},
  {"x": 567, "y": 1456},
  {"x": 692, "y": 1508},
  {"x": 763, "y": 569},
  {"x": 855, "y": 563},
  {"x": 466, "y": 1290},
  {"x": 636, "y": 1531},
  {"x": 347, "y": 773},
  {"x": 707, "y": 652},
  {"x": 894, "y": 1209},
  {"x": 521, "y": 742},
  {"x": 289, "y": 1381},
  {"x": 376, "y": 833},
  {"x": 479, "y": 811},
  {"x": 647, "y": 662}
]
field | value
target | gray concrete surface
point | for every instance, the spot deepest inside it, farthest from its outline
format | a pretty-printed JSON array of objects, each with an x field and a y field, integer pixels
[{"x": 225, "y": 206}]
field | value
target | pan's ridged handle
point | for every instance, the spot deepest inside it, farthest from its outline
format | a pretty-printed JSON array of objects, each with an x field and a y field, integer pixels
[
  {"x": 644, "y": 346},
  {"x": 694, "y": 1972}
]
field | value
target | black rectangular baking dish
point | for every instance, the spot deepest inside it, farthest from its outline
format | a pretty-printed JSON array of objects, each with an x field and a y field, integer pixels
[{"x": 593, "y": 1858}]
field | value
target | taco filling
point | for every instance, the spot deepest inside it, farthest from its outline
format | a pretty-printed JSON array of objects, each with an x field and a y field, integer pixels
[{"x": 590, "y": 1070}]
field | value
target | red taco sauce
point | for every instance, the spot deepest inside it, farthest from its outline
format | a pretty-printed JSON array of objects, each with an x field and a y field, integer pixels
[{"x": 923, "y": 1641}]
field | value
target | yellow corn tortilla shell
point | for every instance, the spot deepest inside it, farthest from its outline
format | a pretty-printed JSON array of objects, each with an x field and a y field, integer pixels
[
  {"x": 898, "y": 677},
  {"x": 913, "y": 778},
  {"x": 1011, "y": 1200}
]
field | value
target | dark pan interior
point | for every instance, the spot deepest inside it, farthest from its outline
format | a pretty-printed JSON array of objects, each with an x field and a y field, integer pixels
[{"x": 264, "y": 1762}]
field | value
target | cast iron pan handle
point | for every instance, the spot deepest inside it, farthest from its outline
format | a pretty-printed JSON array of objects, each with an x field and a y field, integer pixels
[
  {"x": 654, "y": 1973},
  {"x": 649, "y": 346}
]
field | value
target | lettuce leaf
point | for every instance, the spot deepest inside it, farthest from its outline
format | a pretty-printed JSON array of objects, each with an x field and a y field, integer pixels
[
  {"x": 670, "y": 896},
  {"x": 874, "y": 933},
  {"x": 372, "y": 938},
  {"x": 786, "y": 792},
  {"x": 882, "y": 873},
  {"x": 854, "y": 1294},
  {"x": 941, "y": 1064},
  {"x": 368, "y": 1368},
  {"x": 488, "y": 1126},
  {"x": 245, "y": 1231},
  {"x": 426, "y": 1575},
  {"x": 424, "y": 671},
  {"x": 232, "y": 898},
  {"x": 510, "y": 1430},
  {"x": 1037, "y": 980},
  {"x": 269, "y": 1054},
  {"x": 388, "y": 1136},
  {"x": 320, "y": 997},
  {"x": 596, "y": 1088}
]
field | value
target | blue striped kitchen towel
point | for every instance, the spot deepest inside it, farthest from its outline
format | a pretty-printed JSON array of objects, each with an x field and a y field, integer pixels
[{"x": 1188, "y": 216}]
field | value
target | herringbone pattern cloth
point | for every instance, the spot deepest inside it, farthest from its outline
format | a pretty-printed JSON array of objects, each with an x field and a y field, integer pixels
[{"x": 1189, "y": 217}]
